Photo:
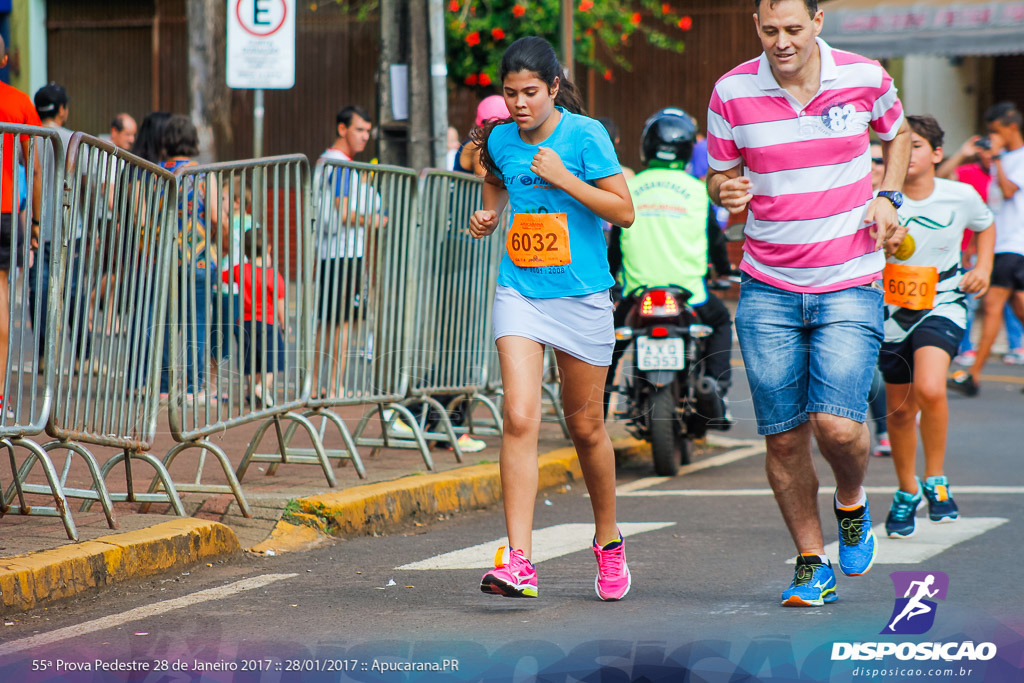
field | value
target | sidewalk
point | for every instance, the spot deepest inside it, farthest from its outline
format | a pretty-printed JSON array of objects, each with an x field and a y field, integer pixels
[{"x": 294, "y": 509}]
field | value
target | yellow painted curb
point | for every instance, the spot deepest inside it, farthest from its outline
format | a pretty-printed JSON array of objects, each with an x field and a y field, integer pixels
[
  {"x": 28, "y": 581},
  {"x": 289, "y": 538},
  {"x": 375, "y": 507}
]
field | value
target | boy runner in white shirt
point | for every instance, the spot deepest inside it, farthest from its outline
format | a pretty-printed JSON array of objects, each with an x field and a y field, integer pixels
[{"x": 925, "y": 319}]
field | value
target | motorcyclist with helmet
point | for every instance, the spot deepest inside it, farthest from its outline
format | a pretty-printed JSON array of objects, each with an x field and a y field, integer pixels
[{"x": 669, "y": 242}]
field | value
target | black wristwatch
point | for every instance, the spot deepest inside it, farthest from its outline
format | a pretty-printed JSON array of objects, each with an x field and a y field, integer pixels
[{"x": 893, "y": 196}]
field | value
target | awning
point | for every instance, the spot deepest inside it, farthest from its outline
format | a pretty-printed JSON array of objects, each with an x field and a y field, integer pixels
[{"x": 895, "y": 28}]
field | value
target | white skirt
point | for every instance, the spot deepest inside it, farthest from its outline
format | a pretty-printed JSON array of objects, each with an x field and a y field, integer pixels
[{"x": 581, "y": 326}]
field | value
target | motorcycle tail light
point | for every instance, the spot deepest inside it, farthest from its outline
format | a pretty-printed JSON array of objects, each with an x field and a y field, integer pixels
[
  {"x": 659, "y": 332},
  {"x": 659, "y": 304}
]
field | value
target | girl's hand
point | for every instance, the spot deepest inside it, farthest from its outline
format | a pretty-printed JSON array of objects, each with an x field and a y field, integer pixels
[
  {"x": 482, "y": 223},
  {"x": 548, "y": 165}
]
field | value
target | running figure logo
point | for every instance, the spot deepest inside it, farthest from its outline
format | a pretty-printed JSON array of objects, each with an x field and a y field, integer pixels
[{"x": 914, "y": 613}]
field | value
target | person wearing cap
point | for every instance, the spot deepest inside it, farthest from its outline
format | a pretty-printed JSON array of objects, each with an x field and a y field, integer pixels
[
  {"x": 467, "y": 160},
  {"x": 52, "y": 106},
  {"x": 15, "y": 107}
]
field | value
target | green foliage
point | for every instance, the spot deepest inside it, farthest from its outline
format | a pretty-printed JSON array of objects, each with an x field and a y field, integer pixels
[{"x": 478, "y": 32}]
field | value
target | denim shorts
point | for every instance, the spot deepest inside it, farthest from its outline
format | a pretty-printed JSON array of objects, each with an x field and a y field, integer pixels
[{"x": 808, "y": 353}]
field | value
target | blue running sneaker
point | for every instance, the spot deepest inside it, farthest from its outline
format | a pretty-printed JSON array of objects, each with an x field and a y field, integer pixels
[
  {"x": 941, "y": 507},
  {"x": 813, "y": 585},
  {"x": 900, "y": 522},
  {"x": 857, "y": 546}
]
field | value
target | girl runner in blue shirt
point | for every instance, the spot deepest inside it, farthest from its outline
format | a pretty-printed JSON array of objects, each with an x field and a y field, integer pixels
[{"x": 558, "y": 170}]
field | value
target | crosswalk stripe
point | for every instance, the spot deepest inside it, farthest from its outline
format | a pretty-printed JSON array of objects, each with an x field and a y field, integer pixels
[
  {"x": 745, "y": 449},
  {"x": 43, "y": 639},
  {"x": 625, "y": 491},
  {"x": 548, "y": 543},
  {"x": 928, "y": 540}
]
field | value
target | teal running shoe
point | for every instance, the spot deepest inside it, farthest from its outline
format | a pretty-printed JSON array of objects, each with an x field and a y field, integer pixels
[
  {"x": 900, "y": 522},
  {"x": 857, "y": 547},
  {"x": 941, "y": 507},
  {"x": 813, "y": 585}
]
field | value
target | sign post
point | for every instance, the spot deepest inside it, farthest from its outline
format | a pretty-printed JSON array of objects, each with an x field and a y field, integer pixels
[{"x": 260, "y": 52}]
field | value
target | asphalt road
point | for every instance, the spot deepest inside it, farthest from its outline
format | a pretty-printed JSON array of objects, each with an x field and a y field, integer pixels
[{"x": 707, "y": 569}]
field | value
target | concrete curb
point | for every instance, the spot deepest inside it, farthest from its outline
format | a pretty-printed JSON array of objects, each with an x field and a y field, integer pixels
[
  {"x": 42, "y": 578},
  {"x": 362, "y": 510}
]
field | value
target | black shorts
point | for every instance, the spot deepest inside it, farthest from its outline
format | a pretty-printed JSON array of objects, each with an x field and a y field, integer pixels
[
  {"x": 259, "y": 353},
  {"x": 341, "y": 286},
  {"x": 896, "y": 359},
  {"x": 6, "y": 259},
  {"x": 1008, "y": 271}
]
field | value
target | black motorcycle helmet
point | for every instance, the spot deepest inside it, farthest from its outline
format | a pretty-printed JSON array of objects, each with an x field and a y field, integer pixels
[{"x": 669, "y": 135}]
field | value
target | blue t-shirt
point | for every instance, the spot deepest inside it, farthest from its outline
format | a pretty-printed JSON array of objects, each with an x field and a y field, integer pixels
[{"x": 587, "y": 152}]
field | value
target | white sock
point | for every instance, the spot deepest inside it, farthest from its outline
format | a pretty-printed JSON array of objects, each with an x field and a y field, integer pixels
[{"x": 860, "y": 501}]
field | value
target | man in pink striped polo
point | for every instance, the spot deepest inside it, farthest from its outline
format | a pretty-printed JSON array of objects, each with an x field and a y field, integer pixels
[{"x": 788, "y": 139}]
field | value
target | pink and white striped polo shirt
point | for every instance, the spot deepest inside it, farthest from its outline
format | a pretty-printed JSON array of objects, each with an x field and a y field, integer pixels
[{"x": 809, "y": 167}]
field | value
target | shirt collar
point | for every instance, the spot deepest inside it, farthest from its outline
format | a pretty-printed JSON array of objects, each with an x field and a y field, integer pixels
[{"x": 829, "y": 72}]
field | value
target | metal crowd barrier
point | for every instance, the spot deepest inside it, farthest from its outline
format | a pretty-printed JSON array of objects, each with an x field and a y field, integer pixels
[
  {"x": 365, "y": 242},
  {"x": 240, "y": 313},
  {"x": 115, "y": 251},
  {"x": 32, "y": 160},
  {"x": 451, "y": 336}
]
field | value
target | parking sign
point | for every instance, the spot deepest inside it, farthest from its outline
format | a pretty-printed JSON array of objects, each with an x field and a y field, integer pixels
[{"x": 261, "y": 44}]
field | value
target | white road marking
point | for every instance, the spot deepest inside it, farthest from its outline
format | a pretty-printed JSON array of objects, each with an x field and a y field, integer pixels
[
  {"x": 928, "y": 540},
  {"x": 549, "y": 543},
  {"x": 746, "y": 449},
  {"x": 143, "y": 612},
  {"x": 625, "y": 492}
]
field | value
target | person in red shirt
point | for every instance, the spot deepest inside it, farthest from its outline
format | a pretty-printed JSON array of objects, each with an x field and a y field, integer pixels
[
  {"x": 263, "y": 315},
  {"x": 15, "y": 107}
]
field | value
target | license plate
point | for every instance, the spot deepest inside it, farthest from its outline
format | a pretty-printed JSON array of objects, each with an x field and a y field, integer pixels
[{"x": 659, "y": 354}]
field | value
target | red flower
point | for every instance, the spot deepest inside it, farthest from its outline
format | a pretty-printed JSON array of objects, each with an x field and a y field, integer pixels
[
  {"x": 518, "y": 10},
  {"x": 471, "y": 79},
  {"x": 473, "y": 39},
  {"x": 686, "y": 23},
  {"x": 608, "y": 74},
  {"x": 497, "y": 33},
  {"x": 589, "y": 31},
  {"x": 665, "y": 9},
  {"x": 484, "y": 79},
  {"x": 453, "y": 6},
  {"x": 623, "y": 38},
  {"x": 585, "y": 5},
  {"x": 636, "y": 17}
]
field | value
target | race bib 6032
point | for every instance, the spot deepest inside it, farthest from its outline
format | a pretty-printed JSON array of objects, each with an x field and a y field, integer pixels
[{"x": 539, "y": 240}]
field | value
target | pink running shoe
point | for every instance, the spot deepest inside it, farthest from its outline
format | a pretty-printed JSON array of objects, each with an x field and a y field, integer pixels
[
  {"x": 513, "y": 575},
  {"x": 613, "y": 579}
]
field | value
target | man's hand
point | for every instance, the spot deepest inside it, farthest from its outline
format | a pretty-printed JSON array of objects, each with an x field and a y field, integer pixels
[
  {"x": 548, "y": 165},
  {"x": 734, "y": 194},
  {"x": 998, "y": 143},
  {"x": 483, "y": 222},
  {"x": 975, "y": 281},
  {"x": 882, "y": 213}
]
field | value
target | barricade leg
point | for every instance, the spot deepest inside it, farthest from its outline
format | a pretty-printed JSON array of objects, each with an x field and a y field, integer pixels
[
  {"x": 446, "y": 433},
  {"x": 232, "y": 487},
  {"x": 284, "y": 455},
  {"x": 494, "y": 426},
  {"x": 19, "y": 488},
  {"x": 168, "y": 495},
  {"x": 386, "y": 440},
  {"x": 343, "y": 455}
]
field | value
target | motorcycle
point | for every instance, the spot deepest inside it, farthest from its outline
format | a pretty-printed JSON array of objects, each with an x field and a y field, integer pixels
[{"x": 669, "y": 401}]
